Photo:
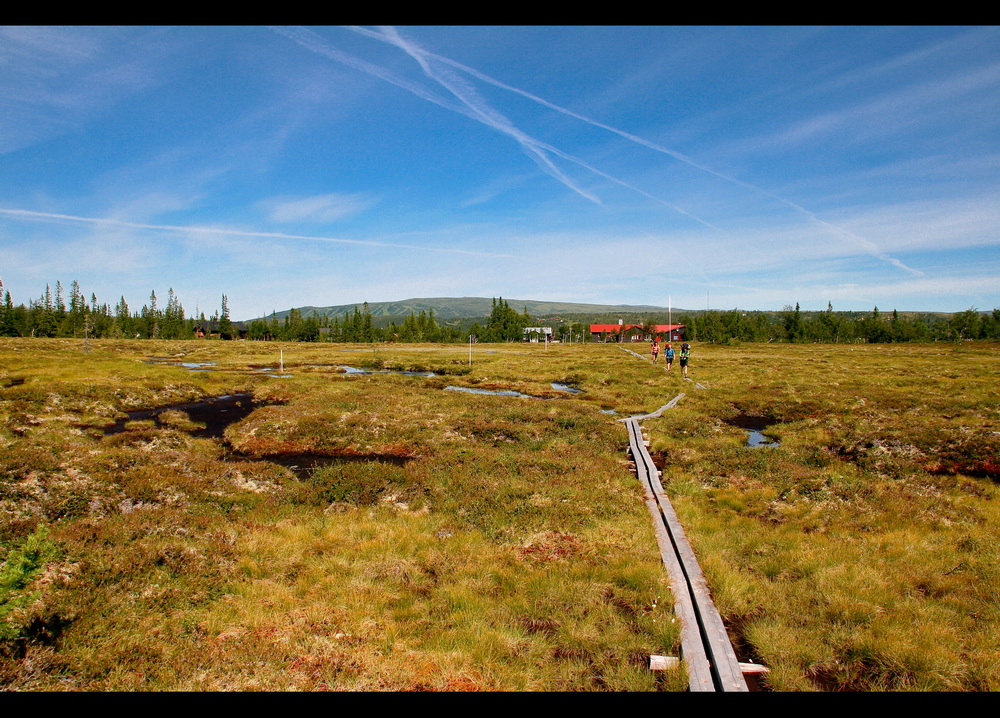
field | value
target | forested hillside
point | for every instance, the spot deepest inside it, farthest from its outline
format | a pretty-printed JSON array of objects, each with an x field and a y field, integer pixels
[{"x": 452, "y": 308}]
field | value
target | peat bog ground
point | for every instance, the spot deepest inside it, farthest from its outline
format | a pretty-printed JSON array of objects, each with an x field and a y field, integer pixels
[{"x": 206, "y": 515}]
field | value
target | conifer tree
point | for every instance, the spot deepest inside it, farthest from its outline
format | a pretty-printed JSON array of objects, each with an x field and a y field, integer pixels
[
  {"x": 153, "y": 316},
  {"x": 225, "y": 324}
]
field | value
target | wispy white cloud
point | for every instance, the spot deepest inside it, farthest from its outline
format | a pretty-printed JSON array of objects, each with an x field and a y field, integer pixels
[
  {"x": 321, "y": 208},
  {"x": 908, "y": 62},
  {"x": 55, "y": 79},
  {"x": 48, "y": 216},
  {"x": 886, "y": 114},
  {"x": 933, "y": 226},
  {"x": 951, "y": 293},
  {"x": 113, "y": 251}
]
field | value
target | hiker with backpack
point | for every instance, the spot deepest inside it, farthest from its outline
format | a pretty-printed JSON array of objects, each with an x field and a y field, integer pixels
[{"x": 685, "y": 355}]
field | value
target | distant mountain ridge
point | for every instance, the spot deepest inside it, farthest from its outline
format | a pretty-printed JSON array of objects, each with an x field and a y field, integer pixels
[{"x": 448, "y": 308}]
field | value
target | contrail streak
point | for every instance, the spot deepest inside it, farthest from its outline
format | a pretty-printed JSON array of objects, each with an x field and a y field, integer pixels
[
  {"x": 475, "y": 111},
  {"x": 482, "y": 111},
  {"x": 314, "y": 43},
  {"x": 28, "y": 214},
  {"x": 468, "y": 96},
  {"x": 392, "y": 37},
  {"x": 469, "y": 104}
]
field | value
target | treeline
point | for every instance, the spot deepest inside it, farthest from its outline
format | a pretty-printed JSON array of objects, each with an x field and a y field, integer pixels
[
  {"x": 793, "y": 325},
  {"x": 354, "y": 327},
  {"x": 60, "y": 313},
  {"x": 56, "y": 314},
  {"x": 503, "y": 324}
]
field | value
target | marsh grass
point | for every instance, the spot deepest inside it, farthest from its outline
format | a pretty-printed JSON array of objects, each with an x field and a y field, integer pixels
[
  {"x": 455, "y": 542},
  {"x": 468, "y": 542},
  {"x": 860, "y": 554}
]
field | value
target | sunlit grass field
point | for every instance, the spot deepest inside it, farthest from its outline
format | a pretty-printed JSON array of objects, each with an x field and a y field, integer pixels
[{"x": 453, "y": 541}]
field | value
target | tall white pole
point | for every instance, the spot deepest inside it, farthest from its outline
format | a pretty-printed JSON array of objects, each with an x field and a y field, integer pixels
[{"x": 670, "y": 318}]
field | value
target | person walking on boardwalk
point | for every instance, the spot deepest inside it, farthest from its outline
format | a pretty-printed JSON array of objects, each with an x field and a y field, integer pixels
[
  {"x": 655, "y": 349},
  {"x": 668, "y": 356},
  {"x": 685, "y": 355}
]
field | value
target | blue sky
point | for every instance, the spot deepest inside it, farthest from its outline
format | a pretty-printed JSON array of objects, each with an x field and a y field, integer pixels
[{"x": 691, "y": 166}]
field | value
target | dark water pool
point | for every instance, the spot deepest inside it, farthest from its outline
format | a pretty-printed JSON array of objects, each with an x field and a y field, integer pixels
[
  {"x": 359, "y": 370},
  {"x": 755, "y": 426},
  {"x": 303, "y": 465},
  {"x": 216, "y": 413},
  {"x": 493, "y": 392}
]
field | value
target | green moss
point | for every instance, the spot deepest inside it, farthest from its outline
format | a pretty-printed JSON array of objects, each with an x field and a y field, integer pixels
[{"x": 21, "y": 566}]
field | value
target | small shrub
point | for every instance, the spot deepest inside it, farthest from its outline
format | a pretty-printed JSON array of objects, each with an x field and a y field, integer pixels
[
  {"x": 356, "y": 482},
  {"x": 19, "y": 570}
]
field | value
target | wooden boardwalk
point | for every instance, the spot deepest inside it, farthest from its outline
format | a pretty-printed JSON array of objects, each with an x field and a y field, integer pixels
[{"x": 706, "y": 650}]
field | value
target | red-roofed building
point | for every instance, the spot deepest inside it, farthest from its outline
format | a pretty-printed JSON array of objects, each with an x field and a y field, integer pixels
[{"x": 637, "y": 332}]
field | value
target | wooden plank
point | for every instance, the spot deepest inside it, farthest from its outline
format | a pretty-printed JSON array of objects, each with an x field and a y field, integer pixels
[
  {"x": 663, "y": 663},
  {"x": 669, "y": 405},
  {"x": 718, "y": 645},
  {"x": 700, "y": 620},
  {"x": 692, "y": 649}
]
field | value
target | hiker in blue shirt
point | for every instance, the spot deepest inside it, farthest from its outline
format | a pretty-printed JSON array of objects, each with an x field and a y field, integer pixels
[{"x": 668, "y": 355}]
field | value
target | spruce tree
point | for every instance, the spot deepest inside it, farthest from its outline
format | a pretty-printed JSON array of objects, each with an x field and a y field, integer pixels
[{"x": 225, "y": 324}]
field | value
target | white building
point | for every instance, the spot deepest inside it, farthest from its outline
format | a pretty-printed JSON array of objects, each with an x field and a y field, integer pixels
[{"x": 535, "y": 334}]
